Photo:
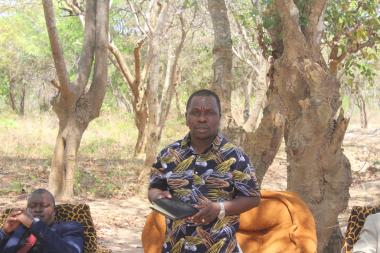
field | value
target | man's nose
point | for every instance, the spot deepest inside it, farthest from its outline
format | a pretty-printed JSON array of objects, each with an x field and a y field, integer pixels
[{"x": 202, "y": 117}]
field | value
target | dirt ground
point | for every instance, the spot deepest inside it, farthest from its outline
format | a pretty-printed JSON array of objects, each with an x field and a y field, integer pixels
[{"x": 119, "y": 220}]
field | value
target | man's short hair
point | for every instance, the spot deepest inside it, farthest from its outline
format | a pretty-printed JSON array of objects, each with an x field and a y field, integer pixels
[
  {"x": 204, "y": 93},
  {"x": 43, "y": 191}
]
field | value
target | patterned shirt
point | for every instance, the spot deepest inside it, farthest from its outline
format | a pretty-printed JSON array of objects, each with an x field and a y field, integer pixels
[{"x": 221, "y": 173}]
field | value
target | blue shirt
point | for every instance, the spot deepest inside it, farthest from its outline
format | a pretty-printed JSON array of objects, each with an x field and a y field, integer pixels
[{"x": 64, "y": 237}]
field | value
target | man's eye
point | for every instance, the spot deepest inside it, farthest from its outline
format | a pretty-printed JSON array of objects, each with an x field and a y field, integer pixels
[
  {"x": 210, "y": 113},
  {"x": 195, "y": 113}
]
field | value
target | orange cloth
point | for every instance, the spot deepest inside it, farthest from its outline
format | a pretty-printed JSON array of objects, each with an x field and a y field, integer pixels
[{"x": 281, "y": 223}]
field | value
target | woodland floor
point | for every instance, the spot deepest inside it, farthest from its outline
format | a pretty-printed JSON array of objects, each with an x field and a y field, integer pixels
[{"x": 119, "y": 219}]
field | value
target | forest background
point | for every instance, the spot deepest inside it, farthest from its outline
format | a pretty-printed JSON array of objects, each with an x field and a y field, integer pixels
[{"x": 160, "y": 52}]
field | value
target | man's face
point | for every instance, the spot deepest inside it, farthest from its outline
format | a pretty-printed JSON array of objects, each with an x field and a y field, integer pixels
[
  {"x": 41, "y": 206},
  {"x": 203, "y": 117}
]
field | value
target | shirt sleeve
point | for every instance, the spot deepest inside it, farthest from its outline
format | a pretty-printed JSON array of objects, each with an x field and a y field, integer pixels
[
  {"x": 3, "y": 238},
  {"x": 67, "y": 237},
  {"x": 157, "y": 175},
  {"x": 244, "y": 177}
]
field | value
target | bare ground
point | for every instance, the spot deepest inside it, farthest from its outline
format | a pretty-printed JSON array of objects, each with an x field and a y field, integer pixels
[{"x": 119, "y": 219}]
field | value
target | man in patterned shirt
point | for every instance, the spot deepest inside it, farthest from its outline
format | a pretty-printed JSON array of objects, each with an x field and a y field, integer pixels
[{"x": 207, "y": 171}]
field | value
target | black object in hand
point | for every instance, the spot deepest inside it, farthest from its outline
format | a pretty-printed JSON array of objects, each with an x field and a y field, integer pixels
[{"x": 173, "y": 208}]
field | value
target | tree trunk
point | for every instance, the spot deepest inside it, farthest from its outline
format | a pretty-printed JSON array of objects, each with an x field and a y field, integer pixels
[
  {"x": 363, "y": 111},
  {"x": 22, "y": 99},
  {"x": 336, "y": 240},
  {"x": 12, "y": 96},
  {"x": 177, "y": 104},
  {"x": 153, "y": 86},
  {"x": 159, "y": 106},
  {"x": 260, "y": 96},
  {"x": 222, "y": 66},
  {"x": 317, "y": 168},
  {"x": 247, "y": 90},
  {"x": 263, "y": 144},
  {"x": 71, "y": 129},
  {"x": 75, "y": 106},
  {"x": 141, "y": 117}
]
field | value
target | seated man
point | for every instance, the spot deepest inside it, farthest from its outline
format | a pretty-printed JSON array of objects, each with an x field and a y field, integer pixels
[
  {"x": 369, "y": 239},
  {"x": 34, "y": 229}
]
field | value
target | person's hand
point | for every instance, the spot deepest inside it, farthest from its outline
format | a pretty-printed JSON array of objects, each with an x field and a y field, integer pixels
[
  {"x": 11, "y": 223},
  {"x": 208, "y": 211},
  {"x": 163, "y": 194},
  {"x": 25, "y": 218}
]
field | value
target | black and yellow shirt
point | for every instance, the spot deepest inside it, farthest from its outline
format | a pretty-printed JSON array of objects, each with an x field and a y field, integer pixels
[{"x": 221, "y": 173}]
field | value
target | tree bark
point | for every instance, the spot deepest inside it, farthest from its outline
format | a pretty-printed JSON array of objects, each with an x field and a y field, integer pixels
[
  {"x": 362, "y": 108},
  {"x": 317, "y": 168},
  {"x": 12, "y": 97},
  {"x": 153, "y": 85},
  {"x": 74, "y": 106},
  {"x": 22, "y": 98},
  {"x": 263, "y": 144},
  {"x": 222, "y": 66},
  {"x": 260, "y": 96}
]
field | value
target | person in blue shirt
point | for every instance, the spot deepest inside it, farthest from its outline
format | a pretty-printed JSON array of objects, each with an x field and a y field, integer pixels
[{"x": 35, "y": 230}]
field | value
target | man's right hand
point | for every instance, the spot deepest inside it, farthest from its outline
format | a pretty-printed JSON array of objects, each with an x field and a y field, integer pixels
[
  {"x": 11, "y": 223},
  {"x": 155, "y": 193}
]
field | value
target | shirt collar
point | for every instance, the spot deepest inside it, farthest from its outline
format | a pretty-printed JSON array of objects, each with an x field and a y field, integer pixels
[{"x": 215, "y": 145}]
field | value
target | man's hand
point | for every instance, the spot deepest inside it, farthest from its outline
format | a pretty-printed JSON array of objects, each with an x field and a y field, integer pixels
[
  {"x": 25, "y": 218},
  {"x": 16, "y": 218},
  {"x": 208, "y": 212},
  {"x": 155, "y": 193},
  {"x": 11, "y": 223}
]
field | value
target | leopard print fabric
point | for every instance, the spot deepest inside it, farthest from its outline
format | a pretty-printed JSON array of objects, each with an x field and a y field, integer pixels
[
  {"x": 355, "y": 224},
  {"x": 74, "y": 212}
]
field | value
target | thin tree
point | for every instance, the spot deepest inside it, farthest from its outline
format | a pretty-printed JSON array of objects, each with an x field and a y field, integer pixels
[{"x": 76, "y": 105}]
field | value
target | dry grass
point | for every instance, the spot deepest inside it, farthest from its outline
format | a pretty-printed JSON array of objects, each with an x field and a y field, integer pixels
[{"x": 105, "y": 163}]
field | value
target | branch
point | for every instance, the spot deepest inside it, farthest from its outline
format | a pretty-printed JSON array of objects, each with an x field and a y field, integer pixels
[
  {"x": 121, "y": 62},
  {"x": 87, "y": 55},
  {"x": 137, "y": 56},
  {"x": 314, "y": 28},
  {"x": 293, "y": 38},
  {"x": 136, "y": 17},
  {"x": 243, "y": 32},
  {"x": 75, "y": 8},
  {"x": 97, "y": 90},
  {"x": 59, "y": 60},
  {"x": 55, "y": 83},
  {"x": 147, "y": 17},
  {"x": 359, "y": 46}
]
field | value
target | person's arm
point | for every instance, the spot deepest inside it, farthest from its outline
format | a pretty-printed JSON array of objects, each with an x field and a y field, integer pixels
[
  {"x": 209, "y": 211},
  {"x": 158, "y": 187},
  {"x": 67, "y": 238},
  {"x": 368, "y": 239},
  {"x": 3, "y": 238},
  {"x": 9, "y": 226}
]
